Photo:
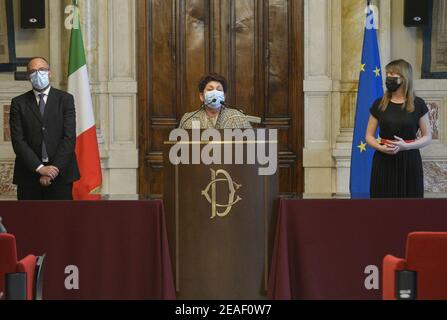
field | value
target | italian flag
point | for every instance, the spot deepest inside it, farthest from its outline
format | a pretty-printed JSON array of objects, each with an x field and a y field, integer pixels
[{"x": 87, "y": 151}]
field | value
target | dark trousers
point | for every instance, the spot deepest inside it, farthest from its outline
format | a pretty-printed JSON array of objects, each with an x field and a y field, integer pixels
[{"x": 38, "y": 192}]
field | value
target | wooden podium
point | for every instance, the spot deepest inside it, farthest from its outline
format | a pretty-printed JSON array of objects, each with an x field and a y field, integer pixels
[{"x": 219, "y": 220}]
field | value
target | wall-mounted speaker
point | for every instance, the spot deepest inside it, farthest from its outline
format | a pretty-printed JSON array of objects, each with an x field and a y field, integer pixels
[
  {"x": 416, "y": 13},
  {"x": 32, "y": 13}
]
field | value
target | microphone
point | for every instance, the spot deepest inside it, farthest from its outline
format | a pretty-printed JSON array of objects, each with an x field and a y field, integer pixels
[
  {"x": 229, "y": 106},
  {"x": 250, "y": 119},
  {"x": 189, "y": 118}
]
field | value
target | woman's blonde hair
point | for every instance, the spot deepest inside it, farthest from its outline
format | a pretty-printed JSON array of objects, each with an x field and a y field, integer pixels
[{"x": 405, "y": 70}]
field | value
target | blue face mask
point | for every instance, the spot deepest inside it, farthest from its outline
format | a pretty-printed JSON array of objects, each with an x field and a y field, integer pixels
[
  {"x": 214, "y": 99},
  {"x": 40, "y": 80}
]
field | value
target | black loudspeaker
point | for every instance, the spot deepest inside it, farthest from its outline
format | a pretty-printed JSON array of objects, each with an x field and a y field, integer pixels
[
  {"x": 32, "y": 13},
  {"x": 416, "y": 13}
]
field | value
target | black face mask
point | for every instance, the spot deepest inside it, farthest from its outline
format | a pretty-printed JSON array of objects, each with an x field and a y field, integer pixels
[{"x": 393, "y": 83}]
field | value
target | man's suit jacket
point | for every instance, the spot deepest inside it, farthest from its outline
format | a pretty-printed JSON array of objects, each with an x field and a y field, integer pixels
[{"x": 57, "y": 127}]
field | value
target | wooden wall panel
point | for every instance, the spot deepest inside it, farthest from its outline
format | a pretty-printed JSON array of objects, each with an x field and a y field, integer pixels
[
  {"x": 196, "y": 51},
  {"x": 162, "y": 65},
  {"x": 278, "y": 59},
  {"x": 243, "y": 74}
]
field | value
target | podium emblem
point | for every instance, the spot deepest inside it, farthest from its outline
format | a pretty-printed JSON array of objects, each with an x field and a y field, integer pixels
[{"x": 212, "y": 187}]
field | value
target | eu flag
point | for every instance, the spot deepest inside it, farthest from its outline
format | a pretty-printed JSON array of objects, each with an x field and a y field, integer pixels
[{"x": 370, "y": 89}]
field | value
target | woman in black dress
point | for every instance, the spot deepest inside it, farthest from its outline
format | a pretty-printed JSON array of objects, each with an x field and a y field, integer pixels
[{"x": 397, "y": 165}]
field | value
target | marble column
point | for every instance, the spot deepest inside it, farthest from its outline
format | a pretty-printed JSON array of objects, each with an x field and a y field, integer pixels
[{"x": 318, "y": 86}]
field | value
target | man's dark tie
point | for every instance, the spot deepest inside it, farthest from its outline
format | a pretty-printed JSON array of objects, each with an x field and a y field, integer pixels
[{"x": 42, "y": 111}]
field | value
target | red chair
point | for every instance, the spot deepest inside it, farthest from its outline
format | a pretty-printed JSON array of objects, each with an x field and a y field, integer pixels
[
  {"x": 426, "y": 256},
  {"x": 19, "y": 278}
]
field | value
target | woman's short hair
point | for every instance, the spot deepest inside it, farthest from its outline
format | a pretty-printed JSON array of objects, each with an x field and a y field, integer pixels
[{"x": 212, "y": 77}]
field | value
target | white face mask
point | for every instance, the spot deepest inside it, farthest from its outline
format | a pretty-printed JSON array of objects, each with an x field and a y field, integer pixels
[
  {"x": 40, "y": 80},
  {"x": 214, "y": 99}
]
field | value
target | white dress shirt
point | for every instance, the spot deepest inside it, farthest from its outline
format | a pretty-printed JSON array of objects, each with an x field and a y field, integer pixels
[{"x": 46, "y": 93}]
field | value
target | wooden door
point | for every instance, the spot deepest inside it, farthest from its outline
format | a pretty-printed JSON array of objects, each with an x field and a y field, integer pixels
[{"x": 256, "y": 44}]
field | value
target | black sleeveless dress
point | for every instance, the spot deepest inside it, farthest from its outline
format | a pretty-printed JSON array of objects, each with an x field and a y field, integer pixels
[{"x": 400, "y": 175}]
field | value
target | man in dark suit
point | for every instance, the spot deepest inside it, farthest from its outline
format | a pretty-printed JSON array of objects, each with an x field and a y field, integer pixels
[{"x": 43, "y": 133}]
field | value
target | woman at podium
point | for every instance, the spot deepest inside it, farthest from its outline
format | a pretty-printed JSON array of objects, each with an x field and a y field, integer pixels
[{"x": 214, "y": 112}]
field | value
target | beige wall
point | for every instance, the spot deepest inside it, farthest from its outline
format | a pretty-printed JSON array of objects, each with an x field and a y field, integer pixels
[
  {"x": 28, "y": 42},
  {"x": 406, "y": 43}
]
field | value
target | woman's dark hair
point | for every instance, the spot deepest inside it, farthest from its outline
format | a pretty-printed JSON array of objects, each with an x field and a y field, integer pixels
[{"x": 212, "y": 77}]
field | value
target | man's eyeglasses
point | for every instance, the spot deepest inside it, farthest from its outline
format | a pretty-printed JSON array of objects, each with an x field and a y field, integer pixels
[{"x": 32, "y": 71}]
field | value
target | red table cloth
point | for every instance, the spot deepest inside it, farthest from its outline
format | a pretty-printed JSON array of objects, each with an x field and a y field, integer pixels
[
  {"x": 323, "y": 247},
  {"x": 120, "y": 248}
]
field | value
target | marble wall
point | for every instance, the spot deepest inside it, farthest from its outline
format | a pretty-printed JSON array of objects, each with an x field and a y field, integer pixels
[
  {"x": 334, "y": 37},
  {"x": 109, "y": 30}
]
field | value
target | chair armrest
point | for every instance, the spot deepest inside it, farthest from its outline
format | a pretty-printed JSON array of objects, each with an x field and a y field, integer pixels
[
  {"x": 28, "y": 265},
  {"x": 39, "y": 277},
  {"x": 391, "y": 264}
]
